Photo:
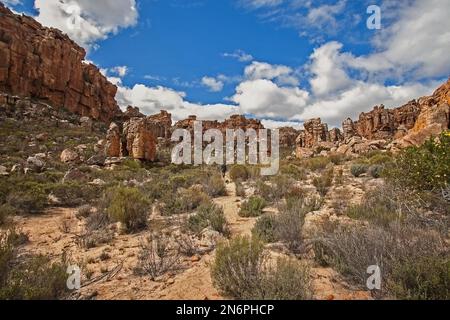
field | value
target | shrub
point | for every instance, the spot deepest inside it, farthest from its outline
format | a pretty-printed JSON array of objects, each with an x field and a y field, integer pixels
[
  {"x": 6, "y": 211},
  {"x": 36, "y": 279},
  {"x": 294, "y": 171},
  {"x": 156, "y": 257},
  {"x": 32, "y": 278},
  {"x": 128, "y": 206},
  {"x": 381, "y": 206},
  {"x": 424, "y": 168},
  {"x": 208, "y": 215},
  {"x": 324, "y": 182},
  {"x": 243, "y": 271},
  {"x": 265, "y": 228},
  {"x": 288, "y": 280},
  {"x": 73, "y": 193},
  {"x": 289, "y": 228},
  {"x": 28, "y": 200},
  {"x": 277, "y": 189},
  {"x": 376, "y": 171},
  {"x": 84, "y": 211},
  {"x": 186, "y": 200},
  {"x": 236, "y": 271},
  {"x": 214, "y": 186},
  {"x": 351, "y": 250},
  {"x": 359, "y": 169},
  {"x": 316, "y": 164},
  {"x": 427, "y": 278},
  {"x": 253, "y": 207},
  {"x": 337, "y": 158},
  {"x": 380, "y": 159},
  {"x": 239, "y": 172}
]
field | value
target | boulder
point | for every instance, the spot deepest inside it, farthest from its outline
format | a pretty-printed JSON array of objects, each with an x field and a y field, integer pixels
[
  {"x": 70, "y": 156},
  {"x": 3, "y": 171},
  {"x": 36, "y": 163}
]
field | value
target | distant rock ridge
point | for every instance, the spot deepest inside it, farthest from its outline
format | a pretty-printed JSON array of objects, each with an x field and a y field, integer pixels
[
  {"x": 234, "y": 122},
  {"x": 44, "y": 63},
  {"x": 410, "y": 124}
]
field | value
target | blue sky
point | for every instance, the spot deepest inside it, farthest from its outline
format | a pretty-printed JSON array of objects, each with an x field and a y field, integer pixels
[{"x": 283, "y": 61}]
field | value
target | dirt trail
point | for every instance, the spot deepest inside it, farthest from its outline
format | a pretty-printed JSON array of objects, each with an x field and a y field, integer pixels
[
  {"x": 196, "y": 283},
  {"x": 231, "y": 206}
]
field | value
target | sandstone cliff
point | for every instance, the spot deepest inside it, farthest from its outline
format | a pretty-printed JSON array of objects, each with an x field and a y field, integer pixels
[{"x": 43, "y": 63}]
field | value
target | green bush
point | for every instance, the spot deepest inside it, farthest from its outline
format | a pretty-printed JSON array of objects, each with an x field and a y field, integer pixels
[
  {"x": 32, "y": 200},
  {"x": 185, "y": 201},
  {"x": 359, "y": 169},
  {"x": 36, "y": 279},
  {"x": 6, "y": 211},
  {"x": 427, "y": 278},
  {"x": 288, "y": 280},
  {"x": 208, "y": 215},
  {"x": 253, "y": 207},
  {"x": 376, "y": 171},
  {"x": 381, "y": 206},
  {"x": 265, "y": 228},
  {"x": 424, "y": 168},
  {"x": 294, "y": 171},
  {"x": 316, "y": 164},
  {"x": 214, "y": 186},
  {"x": 380, "y": 159},
  {"x": 239, "y": 172},
  {"x": 240, "y": 189},
  {"x": 236, "y": 271},
  {"x": 242, "y": 270},
  {"x": 30, "y": 278},
  {"x": 277, "y": 188},
  {"x": 128, "y": 206}
]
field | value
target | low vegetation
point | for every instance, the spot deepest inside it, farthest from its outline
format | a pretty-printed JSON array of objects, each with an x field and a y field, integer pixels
[
  {"x": 253, "y": 207},
  {"x": 243, "y": 270}
]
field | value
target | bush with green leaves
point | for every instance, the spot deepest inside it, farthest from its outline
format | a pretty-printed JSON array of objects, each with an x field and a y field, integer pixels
[
  {"x": 242, "y": 270},
  {"x": 276, "y": 189},
  {"x": 6, "y": 212},
  {"x": 208, "y": 215},
  {"x": 28, "y": 277},
  {"x": 253, "y": 207},
  {"x": 265, "y": 228},
  {"x": 185, "y": 201},
  {"x": 423, "y": 168},
  {"x": 376, "y": 171},
  {"x": 128, "y": 206},
  {"x": 358, "y": 169}
]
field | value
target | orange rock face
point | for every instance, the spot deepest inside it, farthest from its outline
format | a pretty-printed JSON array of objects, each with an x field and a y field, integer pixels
[
  {"x": 140, "y": 140},
  {"x": 44, "y": 63}
]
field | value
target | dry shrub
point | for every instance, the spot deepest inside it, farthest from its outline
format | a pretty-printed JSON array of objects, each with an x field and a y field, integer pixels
[
  {"x": 396, "y": 250},
  {"x": 324, "y": 181},
  {"x": 242, "y": 270},
  {"x": 209, "y": 215},
  {"x": 156, "y": 257}
]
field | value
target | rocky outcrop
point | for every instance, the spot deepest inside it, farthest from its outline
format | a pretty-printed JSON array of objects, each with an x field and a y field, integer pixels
[
  {"x": 235, "y": 122},
  {"x": 139, "y": 141},
  {"x": 288, "y": 137},
  {"x": 138, "y": 137},
  {"x": 43, "y": 63},
  {"x": 113, "y": 141}
]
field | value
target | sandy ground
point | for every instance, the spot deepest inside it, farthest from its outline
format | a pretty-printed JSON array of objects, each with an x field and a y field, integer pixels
[{"x": 115, "y": 274}]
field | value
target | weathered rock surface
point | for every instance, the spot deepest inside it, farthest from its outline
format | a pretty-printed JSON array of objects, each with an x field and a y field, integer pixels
[
  {"x": 43, "y": 63},
  {"x": 113, "y": 141},
  {"x": 139, "y": 139},
  {"x": 70, "y": 156},
  {"x": 235, "y": 122}
]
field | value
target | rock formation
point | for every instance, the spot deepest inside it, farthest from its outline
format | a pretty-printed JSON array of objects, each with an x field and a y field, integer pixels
[
  {"x": 139, "y": 140},
  {"x": 288, "y": 137},
  {"x": 139, "y": 137},
  {"x": 43, "y": 63},
  {"x": 234, "y": 122}
]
